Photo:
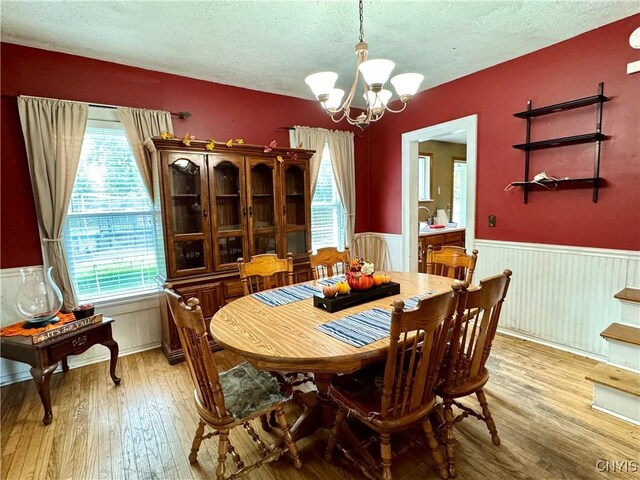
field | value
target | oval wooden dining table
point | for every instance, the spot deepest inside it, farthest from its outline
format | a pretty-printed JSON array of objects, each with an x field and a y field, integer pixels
[{"x": 285, "y": 338}]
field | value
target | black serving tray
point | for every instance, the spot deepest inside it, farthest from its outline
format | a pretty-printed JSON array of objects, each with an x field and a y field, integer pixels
[{"x": 355, "y": 297}]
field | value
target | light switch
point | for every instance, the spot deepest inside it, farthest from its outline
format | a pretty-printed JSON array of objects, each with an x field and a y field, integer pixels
[{"x": 492, "y": 220}]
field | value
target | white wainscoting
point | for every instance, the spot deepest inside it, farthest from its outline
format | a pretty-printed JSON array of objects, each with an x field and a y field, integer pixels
[
  {"x": 394, "y": 252},
  {"x": 560, "y": 295},
  {"x": 137, "y": 327}
]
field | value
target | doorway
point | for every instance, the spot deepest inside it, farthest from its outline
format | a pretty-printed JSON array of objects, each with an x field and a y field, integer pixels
[{"x": 465, "y": 126}]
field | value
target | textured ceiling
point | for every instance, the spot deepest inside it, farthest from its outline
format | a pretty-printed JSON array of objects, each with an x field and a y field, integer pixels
[{"x": 272, "y": 45}]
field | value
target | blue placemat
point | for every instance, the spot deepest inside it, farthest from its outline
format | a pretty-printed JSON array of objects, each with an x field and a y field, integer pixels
[
  {"x": 284, "y": 295},
  {"x": 366, "y": 327},
  {"x": 332, "y": 280}
]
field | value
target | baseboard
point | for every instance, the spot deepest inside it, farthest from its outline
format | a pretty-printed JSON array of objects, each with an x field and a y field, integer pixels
[
  {"x": 8, "y": 379},
  {"x": 547, "y": 343}
]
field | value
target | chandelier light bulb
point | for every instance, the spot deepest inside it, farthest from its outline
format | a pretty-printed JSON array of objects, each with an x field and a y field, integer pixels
[
  {"x": 407, "y": 84},
  {"x": 335, "y": 99},
  {"x": 376, "y": 72},
  {"x": 377, "y": 101},
  {"x": 321, "y": 83}
]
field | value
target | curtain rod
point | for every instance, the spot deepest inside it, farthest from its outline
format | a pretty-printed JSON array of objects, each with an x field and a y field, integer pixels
[{"x": 183, "y": 115}]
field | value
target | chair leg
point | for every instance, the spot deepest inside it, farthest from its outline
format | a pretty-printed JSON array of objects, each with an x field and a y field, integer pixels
[
  {"x": 450, "y": 446},
  {"x": 197, "y": 440},
  {"x": 488, "y": 419},
  {"x": 223, "y": 447},
  {"x": 385, "y": 455},
  {"x": 331, "y": 444},
  {"x": 288, "y": 439},
  {"x": 435, "y": 449}
]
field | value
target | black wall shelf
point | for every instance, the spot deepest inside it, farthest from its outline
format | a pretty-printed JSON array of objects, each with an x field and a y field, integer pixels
[
  {"x": 563, "y": 181},
  {"x": 593, "y": 137},
  {"x": 559, "y": 142}
]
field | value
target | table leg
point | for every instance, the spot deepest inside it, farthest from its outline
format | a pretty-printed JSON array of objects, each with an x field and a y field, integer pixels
[
  {"x": 112, "y": 345},
  {"x": 318, "y": 412},
  {"x": 65, "y": 365},
  {"x": 42, "y": 376}
]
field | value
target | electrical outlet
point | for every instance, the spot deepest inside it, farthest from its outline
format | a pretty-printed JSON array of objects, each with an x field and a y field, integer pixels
[{"x": 492, "y": 220}]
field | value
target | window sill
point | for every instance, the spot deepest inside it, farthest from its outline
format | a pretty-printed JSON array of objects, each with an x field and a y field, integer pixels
[{"x": 128, "y": 303}]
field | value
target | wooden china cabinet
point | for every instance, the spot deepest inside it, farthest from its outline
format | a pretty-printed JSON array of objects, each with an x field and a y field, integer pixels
[{"x": 220, "y": 205}]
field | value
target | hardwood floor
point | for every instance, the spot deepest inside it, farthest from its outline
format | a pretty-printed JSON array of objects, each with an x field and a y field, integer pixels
[{"x": 143, "y": 429}]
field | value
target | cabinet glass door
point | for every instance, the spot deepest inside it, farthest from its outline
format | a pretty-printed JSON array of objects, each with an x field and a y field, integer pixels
[
  {"x": 296, "y": 207},
  {"x": 261, "y": 189},
  {"x": 230, "y": 211},
  {"x": 186, "y": 206}
]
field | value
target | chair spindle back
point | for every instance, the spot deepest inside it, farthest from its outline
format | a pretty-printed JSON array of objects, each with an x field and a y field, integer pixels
[
  {"x": 474, "y": 329},
  {"x": 451, "y": 261},
  {"x": 417, "y": 343},
  {"x": 372, "y": 247},
  {"x": 265, "y": 271},
  {"x": 194, "y": 339},
  {"x": 328, "y": 262}
]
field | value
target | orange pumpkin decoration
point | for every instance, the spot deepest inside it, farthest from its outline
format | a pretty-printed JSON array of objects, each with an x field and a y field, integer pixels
[
  {"x": 360, "y": 282},
  {"x": 378, "y": 280},
  {"x": 329, "y": 291}
]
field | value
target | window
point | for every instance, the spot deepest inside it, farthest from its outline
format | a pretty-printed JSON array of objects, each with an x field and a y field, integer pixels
[
  {"x": 424, "y": 178},
  {"x": 109, "y": 232},
  {"x": 327, "y": 213}
]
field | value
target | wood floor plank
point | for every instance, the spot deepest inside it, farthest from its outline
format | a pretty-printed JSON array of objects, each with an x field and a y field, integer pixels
[{"x": 143, "y": 429}]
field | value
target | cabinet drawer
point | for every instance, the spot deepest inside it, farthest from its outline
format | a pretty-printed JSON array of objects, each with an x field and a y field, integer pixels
[
  {"x": 454, "y": 238},
  {"x": 78, "y": 343},
  {"x": 233, "y": 290},
  {"x": 433, "y": 240}
]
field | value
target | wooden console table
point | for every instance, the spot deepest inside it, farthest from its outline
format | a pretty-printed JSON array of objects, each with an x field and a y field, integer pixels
[{"x": 45, "y": 357}]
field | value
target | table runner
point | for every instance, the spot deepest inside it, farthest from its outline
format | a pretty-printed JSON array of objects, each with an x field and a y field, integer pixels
[
  {"x": 363, "y": 328},
  {"x": 284, "y": 295}
]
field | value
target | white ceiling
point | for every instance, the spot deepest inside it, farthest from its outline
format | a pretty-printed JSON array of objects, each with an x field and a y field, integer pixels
[{"x": 271, "y": 45}]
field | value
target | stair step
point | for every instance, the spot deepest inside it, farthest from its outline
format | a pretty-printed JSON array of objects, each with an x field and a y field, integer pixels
[
  {"x": 616, "y": 378},
  {"x": 622, "y": 333},
  {"x": 628, "y": 295}
]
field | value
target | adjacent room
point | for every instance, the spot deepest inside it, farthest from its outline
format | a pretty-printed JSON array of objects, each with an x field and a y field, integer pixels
[{"x": 330, "y": 239}]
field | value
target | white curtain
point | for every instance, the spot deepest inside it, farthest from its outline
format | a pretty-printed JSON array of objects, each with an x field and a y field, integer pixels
[
  {"x": 343, "y": 163},
  {"x": 53, "y": 132},
  {"x": 139, "y": 125},
  {"x": 311, "y": 139}
]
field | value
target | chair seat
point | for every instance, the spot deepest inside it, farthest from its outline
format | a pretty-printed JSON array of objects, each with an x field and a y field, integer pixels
[
  {"x": 248, "y": 391},
  {"x": 472, "y": 386},
  {"x": 360, "y": 391}
]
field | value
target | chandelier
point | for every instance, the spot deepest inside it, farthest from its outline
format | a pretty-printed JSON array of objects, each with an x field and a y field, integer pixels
[{"x": 375, "y": 73}]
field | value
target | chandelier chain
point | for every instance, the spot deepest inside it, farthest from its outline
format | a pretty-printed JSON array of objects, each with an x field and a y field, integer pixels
[{"x": 361, "y": 23}]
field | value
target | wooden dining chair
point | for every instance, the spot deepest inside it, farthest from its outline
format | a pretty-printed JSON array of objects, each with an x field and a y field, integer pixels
[
  {"x": 265, "y": 271},
  {"x": 450, "y": 261},
  {"x": 228, "y": 399},
  {"x": 371, "y": 247},
  {"x": 391, "y": 396},
  {"x": 329, "y": 261},
  {"x": 464, "y": 372}
]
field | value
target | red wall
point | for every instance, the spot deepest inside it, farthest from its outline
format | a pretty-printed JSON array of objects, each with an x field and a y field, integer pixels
[
  {"x": 219, "y": 111},
  {"x": 564, "y": 71}
]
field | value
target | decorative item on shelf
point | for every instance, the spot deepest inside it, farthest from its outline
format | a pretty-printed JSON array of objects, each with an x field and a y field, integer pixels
[
  {"x": 167, "y": 135},
  {"x": 211, "y": 145},
  {"x": 375, "y": 74},
  {"x": 187, "y": 139},
  {"x": 360, "y": 274},
  {"x": 83, "y": 311},
  {"x": 39, "y": 299},
  {"x": 271, "y": 146}
]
